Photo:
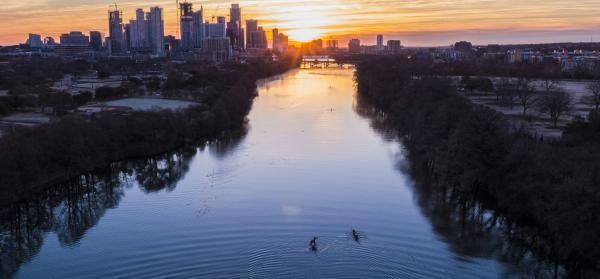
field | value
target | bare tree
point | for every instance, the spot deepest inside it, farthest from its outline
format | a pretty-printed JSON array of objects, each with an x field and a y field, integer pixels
[
  {"x": 594, "y": 88},
  {"x": 555, "y": 104},
  {"x": 504, "y": 92},
  {"x": 526, "y": 95}
]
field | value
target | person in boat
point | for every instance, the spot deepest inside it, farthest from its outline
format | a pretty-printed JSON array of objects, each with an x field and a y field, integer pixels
[
  {"x": 355, "y": 235},
  {"x": 313, "y": 244}
]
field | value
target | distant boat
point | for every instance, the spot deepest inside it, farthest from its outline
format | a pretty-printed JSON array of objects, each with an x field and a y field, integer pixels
[
  {"x": 355, "y": 235},
  {"x": 313, "y": 244}
]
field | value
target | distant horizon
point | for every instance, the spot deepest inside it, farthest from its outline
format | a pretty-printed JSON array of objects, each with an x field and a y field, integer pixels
[
  {"x": 416, "y": 23},
  {"x": 371, "y": 42}
]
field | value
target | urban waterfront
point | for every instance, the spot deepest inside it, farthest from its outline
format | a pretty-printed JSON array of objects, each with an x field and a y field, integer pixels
[{"x": 308, "y": 165}]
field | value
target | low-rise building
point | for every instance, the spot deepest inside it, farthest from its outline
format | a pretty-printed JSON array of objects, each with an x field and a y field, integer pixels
[
  {"x": 354, "y": 46},
  {"x": 73, "y": 43}
]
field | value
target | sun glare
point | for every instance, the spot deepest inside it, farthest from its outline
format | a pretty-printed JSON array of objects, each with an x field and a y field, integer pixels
[
  {"x": 304, "y": 35},
  {"x": 305, "y": 24}
]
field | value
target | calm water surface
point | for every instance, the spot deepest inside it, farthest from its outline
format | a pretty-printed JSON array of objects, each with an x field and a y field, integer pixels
[{"x": 309, "y": 165}]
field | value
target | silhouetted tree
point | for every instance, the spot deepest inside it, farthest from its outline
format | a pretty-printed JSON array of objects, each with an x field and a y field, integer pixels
[
  {"x": 555, "y": 104},
  {"x": 543, "y": 195},
  {"x": 525, "y": 93},
  {"x": 505, "y": 92},
  {"x": 594, "y": 89}
]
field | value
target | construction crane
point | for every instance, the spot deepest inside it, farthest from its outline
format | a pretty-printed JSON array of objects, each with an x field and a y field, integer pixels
[
  {"x": 178, "y": 17},
  {"x": 115, "y": 5}
]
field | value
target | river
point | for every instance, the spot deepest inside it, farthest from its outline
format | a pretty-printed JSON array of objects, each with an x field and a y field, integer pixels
[{"x": 308, "y": 165}]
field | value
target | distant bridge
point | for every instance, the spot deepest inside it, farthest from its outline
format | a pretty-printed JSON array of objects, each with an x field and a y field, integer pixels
[{"x": 322, "y": 61}]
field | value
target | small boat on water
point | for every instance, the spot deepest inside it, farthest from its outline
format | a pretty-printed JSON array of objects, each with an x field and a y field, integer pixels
[{"x": 313, "y": 244}]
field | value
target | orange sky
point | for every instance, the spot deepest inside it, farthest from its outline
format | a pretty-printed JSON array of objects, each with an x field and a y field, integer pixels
[{"x": 415, "y": 22}]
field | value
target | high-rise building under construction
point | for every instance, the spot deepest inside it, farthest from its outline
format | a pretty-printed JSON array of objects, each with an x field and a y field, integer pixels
[
  {"x": 115, "y": 31},
  {"x": 235, "y": 32},
  {"x": 186, "y": 25}
]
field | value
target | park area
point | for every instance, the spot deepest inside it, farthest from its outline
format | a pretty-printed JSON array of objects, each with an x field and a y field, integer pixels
[{"x": 524, "y": 107}]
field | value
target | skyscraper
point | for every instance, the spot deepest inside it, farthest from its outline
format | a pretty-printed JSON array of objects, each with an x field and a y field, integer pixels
[
  {"x": 199, "y": 28},
  {"x": 186, "y": 25},
  {"x": 275, "y": 38},
  {"x": 261, "y": 39},
  {"x": 251, "y": 28},
  {"x": 156, "y": 31},
  {"x": 255, "y": 35},
  {"x": 235, "y": 13},
  {"x": 96, "y": 40},
  {"x": 138, "y": 31},
  {"x": 257, "y": 39},
  {"x": 379, "y": 42},
  {"x": 217, "y": 30},
  {"x": 126, "y": 36},
  {"x": 234, "y": 27},
  {"x": 115, "y": 31}
]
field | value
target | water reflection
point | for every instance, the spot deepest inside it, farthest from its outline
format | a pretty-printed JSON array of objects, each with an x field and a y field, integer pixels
[
  {"x": 470, "y": 229},
  {"x": 70, "y": 209},
  {"x": 246, "y": 206}
]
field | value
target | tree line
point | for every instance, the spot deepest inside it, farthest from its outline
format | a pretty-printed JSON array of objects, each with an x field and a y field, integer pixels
[
  {"x": 33, "y": 158},
  {"x": 471, "y": 153}
]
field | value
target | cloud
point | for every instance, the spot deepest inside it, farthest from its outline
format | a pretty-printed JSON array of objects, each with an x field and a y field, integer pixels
[{"x": 337, "y": 18}]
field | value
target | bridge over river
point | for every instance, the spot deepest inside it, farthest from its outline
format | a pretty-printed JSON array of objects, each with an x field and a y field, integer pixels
[{"x": 324, "y": 61}]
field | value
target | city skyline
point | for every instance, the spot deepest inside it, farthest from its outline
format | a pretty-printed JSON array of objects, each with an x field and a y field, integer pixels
[{"x": 416, "y": 23}]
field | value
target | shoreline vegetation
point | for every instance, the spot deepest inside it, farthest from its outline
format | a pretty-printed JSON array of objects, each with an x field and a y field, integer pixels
[
  {"x": 86, "y": 199},
  {"x": 35, "y": 158},
  {"x": 542, "y": 195}
]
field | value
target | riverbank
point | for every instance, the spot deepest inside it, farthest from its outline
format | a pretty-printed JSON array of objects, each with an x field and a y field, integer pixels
[
  {"x": 308, "y": 165},
  {"x": 471, "y": 153},
  {"x": 37, "y": 157}
]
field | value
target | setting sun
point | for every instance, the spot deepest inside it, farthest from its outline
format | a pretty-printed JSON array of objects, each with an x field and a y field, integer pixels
[
  {"x": 305, "y": 23},
  {"x": 304, "y": 35}
]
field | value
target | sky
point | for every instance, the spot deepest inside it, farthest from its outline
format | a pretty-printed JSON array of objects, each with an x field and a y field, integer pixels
[{"x": 414, "y": 22}]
